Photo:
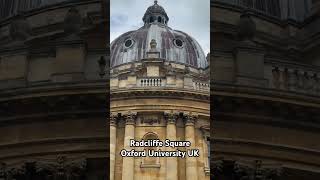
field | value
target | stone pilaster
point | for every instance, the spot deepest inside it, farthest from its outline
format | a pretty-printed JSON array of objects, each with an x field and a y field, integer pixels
[
  {"x": 191, "y": 162},
  {"x": 172, "y": 162},
  {"x": 113, "y": 138},
  {"x": 128, "y": 162}
]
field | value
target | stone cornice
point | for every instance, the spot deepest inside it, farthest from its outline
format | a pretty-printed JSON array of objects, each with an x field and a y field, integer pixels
[
  {"x": 50, "y": 8},
  {"x": 269, "y": 113},
  {"x": 94, "y": 151},
  {"x": 275, "y": 61},
  {"x": 202, "y": 112},
  {"x": 54, "y": 116},
  {"x": 267, "y": 121},
  {"x": 222, "y": 143},
  {"x": 279, "y": 21},
  {"x": 53, "y": 89},
  {"x": 156, "y": 93},
  {"x": 39, "y": 142},
  {"x": 230, "y": 90},
  {"x": 53, "y": 104},
  {"x": 268, "y": 145}
]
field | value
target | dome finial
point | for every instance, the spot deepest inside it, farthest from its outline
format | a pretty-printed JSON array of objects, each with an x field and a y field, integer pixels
[{"x": 155, "y": 2}]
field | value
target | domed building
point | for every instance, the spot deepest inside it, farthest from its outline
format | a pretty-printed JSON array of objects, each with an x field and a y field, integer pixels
[
  {"x": 159, "y": 80},
  {"x": 52, "y": 98},
  {"x": 265, "y": 89}
]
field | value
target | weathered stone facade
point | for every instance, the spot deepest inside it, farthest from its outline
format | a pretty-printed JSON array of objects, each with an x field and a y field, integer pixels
[
  {"x": 52, "y": 99},
  {"x": 265, "y": 90},
  {"x": 158, "y": 98}
]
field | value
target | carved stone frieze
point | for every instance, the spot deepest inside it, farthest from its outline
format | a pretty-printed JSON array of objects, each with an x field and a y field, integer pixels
[
  {"x": 238, "y": 170},
  {"x": 256, "y": 171},
  {"x": 60, "y": 169},
  {"x": 149, "y": 120}
]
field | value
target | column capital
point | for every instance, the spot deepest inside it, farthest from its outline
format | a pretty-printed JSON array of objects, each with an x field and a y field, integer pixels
[
  {"x": 171, "y": 117},
  {"x": 130, "y": 118},
  {"x": 190, "y": 118},
  {"x": 257, "y": 169},
  {"x": 113, "y": 119}
]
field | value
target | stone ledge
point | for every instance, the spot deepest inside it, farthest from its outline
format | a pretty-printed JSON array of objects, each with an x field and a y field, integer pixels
[
  {"x": 229, "y": 89},
  {"x": 150, "y": 165}
]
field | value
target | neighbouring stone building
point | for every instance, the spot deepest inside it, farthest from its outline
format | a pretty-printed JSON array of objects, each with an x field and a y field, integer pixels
[
  {"x": 52, "y": 96},
  {"x": 159, "y": 82},
  {"x": 265, "y": 89}
]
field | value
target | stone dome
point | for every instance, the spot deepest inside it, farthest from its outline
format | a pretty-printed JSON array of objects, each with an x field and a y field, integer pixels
[{"x": 175, "y": 46}]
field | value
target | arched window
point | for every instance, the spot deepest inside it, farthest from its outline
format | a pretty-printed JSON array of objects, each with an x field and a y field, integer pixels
[
  {"x": 151, "y": 20},
  {"x": 159, "y": 19},
  {"x": 147, "y": 161}
]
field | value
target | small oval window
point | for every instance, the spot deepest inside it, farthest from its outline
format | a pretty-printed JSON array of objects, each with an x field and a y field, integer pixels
[
  {"x": 128, "y": 43},
  {"x": 178, "y": 42}
]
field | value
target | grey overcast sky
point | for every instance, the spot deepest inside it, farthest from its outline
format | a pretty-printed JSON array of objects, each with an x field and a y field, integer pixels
[{"x": 189, "y": 16}]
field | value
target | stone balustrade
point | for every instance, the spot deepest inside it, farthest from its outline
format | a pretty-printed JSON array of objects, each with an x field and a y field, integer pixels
[
  {"x": 201, "y": 86},
  {"x": 159, "y": 82},
  {"x": 159, "y": 74},
  {"x": 151, "y": 82},
  {"x": 293, "y": 77}
]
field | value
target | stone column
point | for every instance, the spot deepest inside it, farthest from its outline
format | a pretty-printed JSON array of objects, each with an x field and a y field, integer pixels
[
  {"x": 128, "y": 162},
  {"x": 113, "y": 143},
  {"x": 191, "y": 162},
  {"x": 172, "y": 162}
]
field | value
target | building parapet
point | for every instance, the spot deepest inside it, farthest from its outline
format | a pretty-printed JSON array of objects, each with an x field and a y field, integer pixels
[
  {"x": 293, "y": 77},
  {"x": 159, "y": 75}
]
